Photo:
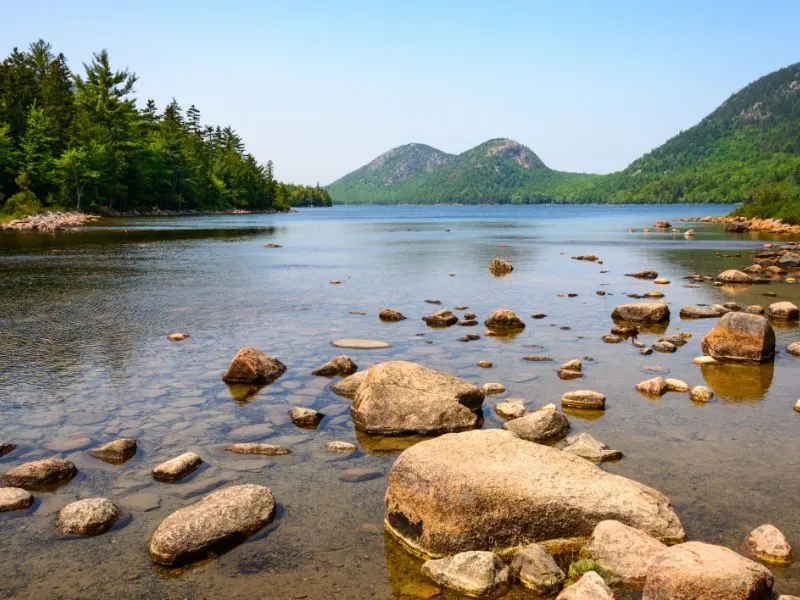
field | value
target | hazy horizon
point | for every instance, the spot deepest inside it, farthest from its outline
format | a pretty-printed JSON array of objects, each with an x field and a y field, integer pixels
[{"x": 323, "y": 89}]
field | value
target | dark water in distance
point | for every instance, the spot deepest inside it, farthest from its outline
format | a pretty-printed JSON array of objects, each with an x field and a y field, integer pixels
[{"x": 84, "y": 359}]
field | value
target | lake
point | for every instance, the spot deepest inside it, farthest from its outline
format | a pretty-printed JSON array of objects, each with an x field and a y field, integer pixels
[{"x": 84, "y": 359}]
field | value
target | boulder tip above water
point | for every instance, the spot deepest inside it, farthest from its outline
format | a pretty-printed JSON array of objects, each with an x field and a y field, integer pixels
[
  {"x": 253, "y": 366},
  {"x": 341, "y": 365},
  {"x": 307, "y": 418},
  {"x": 221, "y": 517},
  {"x": 40, "y": 474},
  {"x": 767, "y": 544},
  {"x": 390, "y": 315},
  {"x": 652, "y": 312},
  {"x": 116, "y": 451},
  {"x": 504, "y": 320},
  {"x": 440, "y": 318},
  {"x": 697, "y": 570},
  {"x": 93, "y": 516},
  {"x": 477, "y": 574},
  {"x": 498, "y": 266},
  {"x": 491, "y": 490},
  {"x": 257, "y": 448},
  {"x": 741, "y": 337},
  {"x": 404, "y": 398},
  {"x": 177, "y": 468}
]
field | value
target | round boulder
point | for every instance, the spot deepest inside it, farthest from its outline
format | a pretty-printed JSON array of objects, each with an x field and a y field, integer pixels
[
  {"x": 504, "y": 320},
  {"x": 491, "y": 490},
  {"x": 253, "y": 366},
  {"x": 93, "y": 516},
  {"x": 540, "y": 426}
]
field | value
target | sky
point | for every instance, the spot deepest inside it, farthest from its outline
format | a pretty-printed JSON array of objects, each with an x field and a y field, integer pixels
[{"x": 322, "y": 88}]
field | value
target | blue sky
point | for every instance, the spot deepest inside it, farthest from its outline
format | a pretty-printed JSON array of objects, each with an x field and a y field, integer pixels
[{"x": 321, "y": 88}]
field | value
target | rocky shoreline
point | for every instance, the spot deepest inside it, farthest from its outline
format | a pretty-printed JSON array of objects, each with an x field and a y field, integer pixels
[
  {"x": 49, "y": 222},
  {"x": 743, "y": 225}
]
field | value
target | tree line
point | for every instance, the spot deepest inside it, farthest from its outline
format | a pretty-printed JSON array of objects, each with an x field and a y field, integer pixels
[{"x": 79, "y": 141}]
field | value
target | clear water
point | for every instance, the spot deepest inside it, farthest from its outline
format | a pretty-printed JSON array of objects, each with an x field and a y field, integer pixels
[{"x": 84, "y": 359}]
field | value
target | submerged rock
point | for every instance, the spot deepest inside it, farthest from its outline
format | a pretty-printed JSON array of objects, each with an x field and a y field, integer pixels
[
  {"x": 441, "y": 318},
  {"x": 586, "y": 446},
  {"x": 116, "y": 451},
  {"x": 477, "y": 574},
  {"x": 221, "y": 517},
  {"x": 498, "y": 266},
  {"x": 341, "y": 365},
  {"x": 504, "y": 320},
  {"x": 584, "y": 399},
  {"x": 348, "y": 386},
  {"x": 403, "y": 398},
  {"x": 253, "y": 366},
  {"x": 305, "y": 417},
  {"x": 696, "y": 570},
  {"x": 93, "y": 516},
  {"x": 540, "y": 426},
  {"x": 257, "y": 448},
  {"x": 390, "y": 315},
  {"x": 40, "y": 473},
  {"x": 359, "y": 344},
  {"x": 7, "y": 449},
  {"x": 513, "y": 408},
  {"x": 177, "y": 468},
  {"x": 14, "y": 498},
  {"x": 464, "y": 492},
  {"x": 537, "y": 570},
  {"x": 741, "y": 337},
  {"x": 589, "y": 587},
  {"x": 654, "y": 312},
  {"x": 622, "y": 550},
  {"x": 766, "y": 543}
]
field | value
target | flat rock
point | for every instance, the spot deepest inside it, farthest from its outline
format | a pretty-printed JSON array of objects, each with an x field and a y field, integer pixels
[
  {"x": 610, "y": 338},
  {"x": 117, "y": 451},
  {"x": 491, "y": 490},
  {"x": 440, "y": 318},
  {"x": 696, "y": 570},
  {"x": 537, "y": 358},
  {"x": 653, "y": 312},
  {"x": 700, "y": 312},
  {"x": 767, "y": 544},
  {"x": 14, "y": 498},
  {"x": 540, "y": 426},
  {"x": 584, "y": 399},
  {"x": 390, "y": 315},
  {"x": 646, "y": 274},
  {"x": 177, "y": 468},
  {"x": 741, "y": 337},
  {"x": 701, "y": 393},
  {"x": 348, "y": 386},
  {"x": 513, "y": 408},
  {"x": 623, "y": 550},
  {"x": 341, "y": 365},
  {"x": 257, "y": 448},
  {"x": 404, "y": 398},
  {"x": 253, "y": 366},
  {"x": 305, "y": 417},
  {"x": 40, "y": 474},
  {"x": 493, "y": 388},
  {"x": 340, "y": 446},
  {"x": 784, "y": 311},
  {"x": 221, "y": 517},
  {"x": 93, "y": 516},
  {"x": 537, "y": 570},
  {"x": 504, "y": 320},
  {"x": 586, "y": 446},
  {"x": 359, "y": 344},
  {"x": 477, "y": 574},
  {"x": 589, "y": 587}
]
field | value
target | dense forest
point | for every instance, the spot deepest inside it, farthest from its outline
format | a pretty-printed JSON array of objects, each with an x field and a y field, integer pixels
[
  {"x": 79, "y": 141},
  {"x": 747, "y": 150}
]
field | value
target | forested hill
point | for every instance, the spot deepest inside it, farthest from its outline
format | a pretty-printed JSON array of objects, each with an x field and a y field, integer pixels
[
  {"x": 79, "y": 140},
  {"x": 748, "y": 149}
]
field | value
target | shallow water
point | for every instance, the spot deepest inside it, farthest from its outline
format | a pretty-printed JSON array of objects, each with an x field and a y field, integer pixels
[{"x": 84, "y": 359}]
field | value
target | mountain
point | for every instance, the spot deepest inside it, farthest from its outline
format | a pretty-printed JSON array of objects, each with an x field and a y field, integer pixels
[
  {"x": 747, "y": 150},
  {"x": 500, "y": 170}
]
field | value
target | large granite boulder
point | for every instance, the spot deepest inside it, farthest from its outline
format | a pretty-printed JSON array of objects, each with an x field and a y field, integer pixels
[
  {"x": 491, "y": 490},
  {"x": 696, "y": 570},
  {"x": 623, "y": 550},
  {"x": 478, "y": 574},
  {"x": 41, "y": 474},
  {"x": 221, "y": 517},
  {"x": 404, "y": 398},
  {"x": 253, "y": 366},
  {"x": 643, "y": 312},
  {"x": 741, "y": 337}
]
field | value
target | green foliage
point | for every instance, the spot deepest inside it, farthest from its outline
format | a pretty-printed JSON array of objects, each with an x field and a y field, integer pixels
[
  {"x": 21, "y": 204},
  {"x": 81, "y": 141},
  {"x": 579, "y": 568},
  {"x": 752, "y": 139}
]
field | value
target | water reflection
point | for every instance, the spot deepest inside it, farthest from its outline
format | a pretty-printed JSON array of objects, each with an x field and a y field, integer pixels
[{"x": 739, "y": 382}]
